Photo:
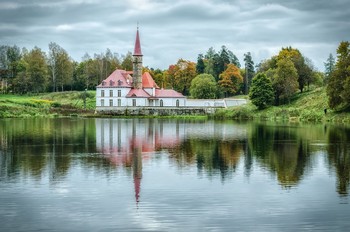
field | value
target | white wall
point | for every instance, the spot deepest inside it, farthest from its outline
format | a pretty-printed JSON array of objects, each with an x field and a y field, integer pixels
[{"x": 114, "y": 97}]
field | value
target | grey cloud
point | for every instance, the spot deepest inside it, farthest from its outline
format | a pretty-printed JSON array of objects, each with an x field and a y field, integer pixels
[{"x": 178, "y": 29}]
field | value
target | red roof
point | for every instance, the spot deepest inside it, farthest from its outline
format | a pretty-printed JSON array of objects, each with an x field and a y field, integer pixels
[
  {"x": 164, "y": 93},
  {"x": 140, "y": 93},
  {"x": 137, "y": 50},
  {"x": 148, "y": 82},
  {"x": 118, "y": 78}
]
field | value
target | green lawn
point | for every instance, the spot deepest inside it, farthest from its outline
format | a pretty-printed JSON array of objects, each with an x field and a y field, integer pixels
[{"x": 47, "y": 104}]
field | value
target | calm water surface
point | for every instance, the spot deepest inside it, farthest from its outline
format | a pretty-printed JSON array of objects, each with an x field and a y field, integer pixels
[{"x": 172, "y": 175}]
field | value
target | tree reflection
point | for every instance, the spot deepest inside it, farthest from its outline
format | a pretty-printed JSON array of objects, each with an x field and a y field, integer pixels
[
  {"x": 282, "y": 150},
  {"x": 339, "y": 156},
  {"x": 36, "y": 147}
]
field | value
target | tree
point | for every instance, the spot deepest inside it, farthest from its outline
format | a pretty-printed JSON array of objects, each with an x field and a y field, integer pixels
[
  {"x": 54, "y": 51},
  {"x": 338, "y": 88},
  {"x": 261, "y": 92},
  {"x": 285, "y": 81},
  {"x": 36, "y": 70},
  {"x": 249, "y": 71},
  {"x": 209, "y": 61},
  {"x": 127, "y": 62},
  {"x": 181, "y": 74},
  {"x": 200, "y": 64},
  {"x": 329, "y": 67},
  {"x": 203, "y": 86},
  {"x": 230, "y": 80}
]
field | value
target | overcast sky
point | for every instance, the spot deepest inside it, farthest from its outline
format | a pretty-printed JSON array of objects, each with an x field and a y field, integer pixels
[{"x": 171, "y": 29}]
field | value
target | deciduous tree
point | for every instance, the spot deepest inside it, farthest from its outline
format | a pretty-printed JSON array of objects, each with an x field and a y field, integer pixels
[
  {"x": 285, "y": 81},
  {"x": 230, "y": 80},
  {"x": 203, "y": 86}
]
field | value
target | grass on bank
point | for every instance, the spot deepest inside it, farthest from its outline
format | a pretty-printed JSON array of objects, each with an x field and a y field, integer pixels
[
  {"x": 49, "y": 104},
  {"x": 307, "y": 106}
]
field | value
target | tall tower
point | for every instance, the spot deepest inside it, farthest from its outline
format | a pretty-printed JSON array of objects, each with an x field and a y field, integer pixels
[{"x": 137, "y": 63}]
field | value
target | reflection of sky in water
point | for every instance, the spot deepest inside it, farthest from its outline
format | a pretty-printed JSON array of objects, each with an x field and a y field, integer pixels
[{"x": 98, "y": 190}]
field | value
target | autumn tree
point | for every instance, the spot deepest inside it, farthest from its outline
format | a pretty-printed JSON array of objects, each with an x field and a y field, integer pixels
[
  {"x": 181, "y": 75},
  {"x": 203, "y": 86},
  {"x": 230, "y": 80},
  {"x": 261, "y": 91},
  {"x": 285, "y": 80},
  {"x": 338, "y": 88},
  {"x": 303, "y": 65}
]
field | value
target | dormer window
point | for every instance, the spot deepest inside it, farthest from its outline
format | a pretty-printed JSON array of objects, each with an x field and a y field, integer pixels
[
  {"x": 103, "y": 83},
  {"x": 120, "y": 82},
  {"x": 111, "y": 83}
]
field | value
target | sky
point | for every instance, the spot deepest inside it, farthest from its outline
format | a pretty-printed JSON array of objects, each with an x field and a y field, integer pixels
[{"x": 170, "y": 29}]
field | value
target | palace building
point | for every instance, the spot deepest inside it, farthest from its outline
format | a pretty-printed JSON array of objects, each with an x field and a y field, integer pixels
[{"x": 133, "y": 89}]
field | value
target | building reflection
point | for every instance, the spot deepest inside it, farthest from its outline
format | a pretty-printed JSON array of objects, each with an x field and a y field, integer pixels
[{"x": 129, "y": 142}]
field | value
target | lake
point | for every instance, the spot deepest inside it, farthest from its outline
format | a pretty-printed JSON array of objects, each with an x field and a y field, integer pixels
[{"x": 73, "y": 174}]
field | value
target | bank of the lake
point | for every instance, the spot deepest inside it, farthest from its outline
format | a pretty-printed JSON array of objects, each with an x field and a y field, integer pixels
[
  {"x": 308, "y": 106},
  {"x": 47, "y": 105}
]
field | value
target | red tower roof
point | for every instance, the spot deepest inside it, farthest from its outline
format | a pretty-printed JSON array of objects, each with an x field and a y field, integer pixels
[{"x": 137, "y": 50}]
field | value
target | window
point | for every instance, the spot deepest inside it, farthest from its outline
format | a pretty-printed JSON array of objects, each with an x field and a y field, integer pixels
[
  {"x": 133, "y": 102},
  {"x": 177, "y": 103},
  {"x": 110, "y": 102},
  {"x": 111, "y": 93},
  {"x": 102, "y": 102},
  {"x": 102, "y": 93},
  {"x": 119, "y": 93},
  {"x": 161, "y": 103},
  {"x": 119, "y": 102}
]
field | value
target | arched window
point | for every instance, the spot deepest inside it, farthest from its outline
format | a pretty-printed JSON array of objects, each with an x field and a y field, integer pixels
[
  {"x": 161, "y": 103},
  {"x": 177, "y": 103}
]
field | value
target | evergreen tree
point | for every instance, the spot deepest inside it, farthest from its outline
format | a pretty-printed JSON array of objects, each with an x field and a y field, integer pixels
[
  {"x": 261, "y": 92},
  {"x": 200, "y": 67},
  {"x": 329, "y": 67},
  {"x": 249, "y": 71},
  {"x": 338, "y": 88}
]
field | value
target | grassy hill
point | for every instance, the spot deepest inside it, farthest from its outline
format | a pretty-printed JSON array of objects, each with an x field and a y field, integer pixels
[
  {"x": 49, "y": 104},
  {"x": 307, "y": 106}
]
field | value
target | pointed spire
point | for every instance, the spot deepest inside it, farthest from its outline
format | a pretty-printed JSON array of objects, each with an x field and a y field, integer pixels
[{"x": 137, "y": 50}]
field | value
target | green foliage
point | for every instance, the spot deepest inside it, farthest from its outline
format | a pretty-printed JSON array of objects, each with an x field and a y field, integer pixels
[
  {"x": 200, "y": 67},
  {"x": 249, "y": 71},
  {"x": 261, "y": 92},
  {"x": 285, "y": 81},
  {"x": 307, "y": 106},
  {"x": 329, "y": 67},
  {"x": 203, "y": 86},
  {"x": 338, "y": 88}
]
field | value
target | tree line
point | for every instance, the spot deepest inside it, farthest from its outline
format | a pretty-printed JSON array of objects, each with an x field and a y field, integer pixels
[
  {"x": 216, "y": 74},
  {"x": 33, "y": 71}
]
